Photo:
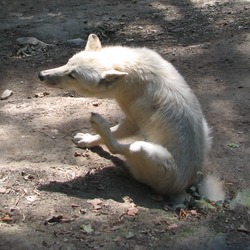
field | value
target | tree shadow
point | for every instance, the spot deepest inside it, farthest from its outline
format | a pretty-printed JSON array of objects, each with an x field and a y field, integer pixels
[{"x": 110, "y": 182}]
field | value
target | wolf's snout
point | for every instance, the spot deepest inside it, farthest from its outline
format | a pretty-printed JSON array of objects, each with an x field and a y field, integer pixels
[{"x": 41, "y": 76}]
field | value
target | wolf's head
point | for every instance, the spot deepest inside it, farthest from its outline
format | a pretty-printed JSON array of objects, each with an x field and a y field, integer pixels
[{"x": 89, "y": 72}]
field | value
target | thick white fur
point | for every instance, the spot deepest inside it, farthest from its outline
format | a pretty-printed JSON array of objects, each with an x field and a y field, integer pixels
[{"x": 158, "y": 104}]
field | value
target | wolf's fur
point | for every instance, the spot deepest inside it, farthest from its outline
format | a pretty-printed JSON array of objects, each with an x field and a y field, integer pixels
[{"x": 157, "y": 103}]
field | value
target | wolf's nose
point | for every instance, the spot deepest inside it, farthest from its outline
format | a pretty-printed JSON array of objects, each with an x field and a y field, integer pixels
[{"x": 41, "y": 77}]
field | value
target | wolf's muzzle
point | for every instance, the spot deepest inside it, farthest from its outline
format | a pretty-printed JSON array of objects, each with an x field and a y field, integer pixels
[{"x": 41, "y": 77}]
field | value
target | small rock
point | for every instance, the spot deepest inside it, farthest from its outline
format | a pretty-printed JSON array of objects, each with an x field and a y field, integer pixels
[
  {"x": 28, "y": 40},
  {"x": 95, "y": 104},
  {"x": 3, "y": 190},
  {"x": 31, "y": 198},
  {"x": 30, "y": 45},
  {"x": 41, "y": 95},
  {"x": 130, "y": 235},
  {"x": 28, "y": 177},
  {"x": 243, "y": 229},
  {"x": 86, "y": 228},
  {"x": 32, "y": 41},
  {"x": 76, "y": 154},
  {"x": 6, "y": 94}
]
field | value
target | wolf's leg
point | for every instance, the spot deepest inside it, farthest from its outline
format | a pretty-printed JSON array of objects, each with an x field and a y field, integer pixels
[
  {"x": 125, "y": 129},
  {"x": 149, "y": 163}
]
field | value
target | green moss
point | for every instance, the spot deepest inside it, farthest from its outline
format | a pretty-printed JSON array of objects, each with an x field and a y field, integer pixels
[
  {"x": 242, "y": 198},
  {"x": 185, "y": 233}
]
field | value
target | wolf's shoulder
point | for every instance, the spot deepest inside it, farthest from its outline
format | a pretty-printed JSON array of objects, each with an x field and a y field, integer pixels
[{"x": 134, "y": 56}]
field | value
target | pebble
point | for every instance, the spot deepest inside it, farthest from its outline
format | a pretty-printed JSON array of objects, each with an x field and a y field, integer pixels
[
  {"x": 6, "y": 94},
  {"x": 95, "y": 104},
  {"x": 23, "y": 41},
  {"x": 27, "y": 40},
  {"x": 130, "y": 235},
  {"x": 3, "y": 190}
]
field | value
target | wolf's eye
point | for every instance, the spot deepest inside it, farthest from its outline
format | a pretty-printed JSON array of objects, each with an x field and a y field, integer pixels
[{"x": 71, "y": 76}]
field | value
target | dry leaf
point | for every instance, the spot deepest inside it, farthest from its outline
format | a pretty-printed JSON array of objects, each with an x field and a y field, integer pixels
[
  {"x": 54, "y": 219},
  {"x": 83, "y": 211},
  {"x": 67, "y": 220},
  {"x": 97, "y": 207},
  {"x": 127, "y": 199},
  {"x": 243, "y": 229},
  {"x": 74, "y": 205},
  {"x": 86, "y": 228},
  {"x": 76, "y": 154},
  {"x": 172, "y": 226},
  {"x": 7, "y": 219},
  {"x": 28, "y": 177},
  {"x": 188, "y": 214},
  {"x": 95, "y": 202},
  {"x": 132, "y": 211}
]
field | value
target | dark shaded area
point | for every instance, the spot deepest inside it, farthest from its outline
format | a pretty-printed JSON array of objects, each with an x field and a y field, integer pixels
[
  {"x": 203, "y": 41},
  {"x": 114, "y": 182}
]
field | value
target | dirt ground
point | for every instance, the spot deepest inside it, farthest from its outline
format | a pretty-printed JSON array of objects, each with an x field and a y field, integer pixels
[{"x": 55, "y": 196}]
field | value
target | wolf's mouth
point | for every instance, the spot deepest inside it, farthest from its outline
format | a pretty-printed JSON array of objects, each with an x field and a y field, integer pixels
[{"x": 53, "y": 85}]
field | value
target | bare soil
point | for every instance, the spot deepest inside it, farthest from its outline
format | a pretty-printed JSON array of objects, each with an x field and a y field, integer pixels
[{"x": 55, "y": 196}]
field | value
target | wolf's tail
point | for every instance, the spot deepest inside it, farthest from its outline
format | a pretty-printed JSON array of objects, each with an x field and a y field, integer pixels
[{"x": 212, "y": 188}]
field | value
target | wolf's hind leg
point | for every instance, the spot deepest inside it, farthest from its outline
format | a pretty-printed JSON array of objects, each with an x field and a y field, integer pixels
[{"x": 149, "y": 163}]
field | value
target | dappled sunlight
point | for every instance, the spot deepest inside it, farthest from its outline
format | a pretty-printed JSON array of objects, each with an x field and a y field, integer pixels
[
  {"x": 169, "y": 12},
  {"x": 41, "y": 130}
]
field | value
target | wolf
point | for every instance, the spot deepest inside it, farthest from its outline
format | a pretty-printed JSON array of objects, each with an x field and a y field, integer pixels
[{"x": 158, "y": 105}]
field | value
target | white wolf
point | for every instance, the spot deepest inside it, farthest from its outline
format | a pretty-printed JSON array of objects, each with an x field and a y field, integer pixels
[{"x": 158, "y": 104}]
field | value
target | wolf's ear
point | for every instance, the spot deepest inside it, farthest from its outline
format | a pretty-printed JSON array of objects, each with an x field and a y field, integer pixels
[
  {"x": 112, "y": 75},
  {"x": 93, "y": 43}
]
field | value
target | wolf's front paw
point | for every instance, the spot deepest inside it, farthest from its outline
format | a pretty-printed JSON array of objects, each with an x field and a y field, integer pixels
[
  {"x": 99, "y": 124},
  {"x": 85, "y": 140}
]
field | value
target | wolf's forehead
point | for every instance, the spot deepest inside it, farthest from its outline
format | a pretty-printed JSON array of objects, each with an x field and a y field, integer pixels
[
  {"x": 82, "y": 56},
  {"x": 86, "y": 57},
  {"x": 91, "y": 59}
]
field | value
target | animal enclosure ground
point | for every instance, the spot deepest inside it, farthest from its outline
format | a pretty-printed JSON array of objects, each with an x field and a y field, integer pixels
[{"x": 55, "y": 196}]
